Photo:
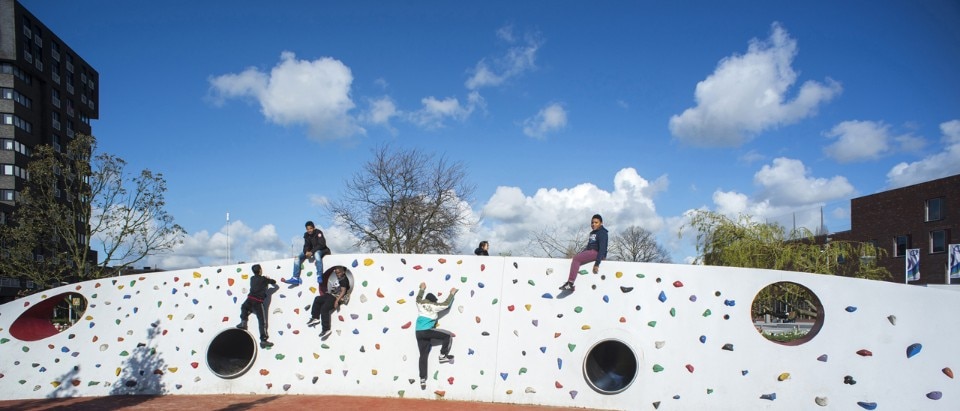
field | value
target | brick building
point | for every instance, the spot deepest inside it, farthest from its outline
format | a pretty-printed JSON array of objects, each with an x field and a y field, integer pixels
[
  {"x": 924, "y": 216},
  {"x": 48, "y": 94}
]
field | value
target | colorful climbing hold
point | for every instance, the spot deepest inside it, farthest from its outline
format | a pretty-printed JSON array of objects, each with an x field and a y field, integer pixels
[
  {"x": 851, "y": 308},
  {"x": 867, "y": 405},
  {"x": 864, "y": 353},
  {"x": 662, "y": 297},
  {"x": 913, "y": 349}
]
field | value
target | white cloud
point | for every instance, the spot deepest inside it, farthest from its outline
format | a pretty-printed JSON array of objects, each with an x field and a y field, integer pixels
[
  {"x": 858, "y": 141},
  {"x": 205, "y": 249},
  {"x": 787, "y": 183},
  {"x": 381, "y": 111},
  {"x": 516, "y": 61},
  {"x": 297, "y": 92},
  {"x": 944, "y": 163},
  {"x": 549, "y": 119},
  {"x": 510, "y": 217},
  {"x": 867, "y": 140},
  {"x": 435, "y": 112},
  {"x": 747, "y": 94}
]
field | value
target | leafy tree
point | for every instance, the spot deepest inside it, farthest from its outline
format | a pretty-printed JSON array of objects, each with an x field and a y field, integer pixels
[
  {"x": 74, "y": 198},
  {"x": 406, "y": 201},
  {"x": 747, "y": 243},
  {"x": 637, "y": 244}
]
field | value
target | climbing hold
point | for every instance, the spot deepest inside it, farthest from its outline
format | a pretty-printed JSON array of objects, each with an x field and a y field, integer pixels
[
  {"x": 559, "y": 363},
  {"x": 573, "y": 394},
  {"x": 728, "y": 347},
  {"x": 659, "y": 344},
  {"x": 662, "y": 297},
  {"x": 948, "y": 372},
  {"x": 531, "y": 282},
  {"x": 606, "y": 299},
  {"x": 849, "y": 380},
  {"x": 934, "y": 395},
  {"x": 619, "y": 274},
  {"x": 547, "y": 296},
  {"x": 729, "y": 303},
  {"x": 354, "y": 264},
  {"x": 771, "y": 396},
  {"x": 851, "y": 308},
  {"x": 527, "y": 307},
  {"x": 892, "y": 319},
  {"x": 367, "y": 262},
  {"x": 744, "y": 372},
  {"x": 557, "y": 384},
  {"x": 821, "y": 401},
  {"x": 407, "y": 325},
  {"x": 913, "y": 349},
  {"x": 504, "y": 375},
  {"x": 379, "y": 293},
  {"x": 693, "y": 298},
  {"x": 783, "y": 376},
  {"x": 578, "y": 309},
  {"x": 585, "y": 327},
  {"x": 626, "y": 289},
  {"x": 822, "y": 358},
  {"x": 673, "y": 312},
  {"x": 867, "y": 405},
  {"x": 657, "y": 368},
  {"x": 703, "y": 339},
  {"x": 864, "y": 353},
  {"x": 689, "y": 368},
  {"x": 652, "y": 324},
  {"x": 571, "y": 346},
  {"x": 707, "y": 313},
  {"x": 656, "y": 405}
]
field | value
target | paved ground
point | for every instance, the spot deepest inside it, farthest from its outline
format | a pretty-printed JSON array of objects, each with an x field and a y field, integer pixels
[{"x": 259, "y": 402}]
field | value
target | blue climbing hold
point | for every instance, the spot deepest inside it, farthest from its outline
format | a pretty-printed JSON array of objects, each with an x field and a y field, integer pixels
[
  {"x": 503, "y": 375},
  {"x": 703, "y": 339},
  {"x": 913, "y": 349},
  {"x": 851, "y": 308},
  {"x": 547, "y": 296},
  {"x": 771, "y": 396},
  {"x": 354, "y": 264},
  {"x": 730, "y": 303},
  {"x": 662, "y": 297},
  {"x": 867, "y": 405}
]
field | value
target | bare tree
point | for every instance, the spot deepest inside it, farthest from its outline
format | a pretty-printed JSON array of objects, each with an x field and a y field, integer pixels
[
  {"x": 74, "y": 199},
  {"x": 406, "y": 201},
  {"x": 637, "y": 244},
  {"x": 558, "y": 242}
]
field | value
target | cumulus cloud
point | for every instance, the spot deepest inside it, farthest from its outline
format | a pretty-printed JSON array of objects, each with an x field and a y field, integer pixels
[
  {"x": 944, "y": 163},
  {"x": 748, "y": 94},
  {"x": 511, "y": 217},
  {"x": 381, "y": 110},
  {"x": 867, "y": 140},
  {"x": 435, "y": 112},
  {"x": 208, "y": 249},
  {"x": 787, "y": 182},
  {"x": 315, "y": 94},
  {"x": 549, "y": 119},
  {"x": 518, "y": 59}
]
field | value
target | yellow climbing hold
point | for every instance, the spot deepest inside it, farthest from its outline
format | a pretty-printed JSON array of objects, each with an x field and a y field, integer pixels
[
  {"x": 117, "y": 372},
  {"x": 585, "y": 327},
  {"x": 527, "y": 306},
  {"x": 316, "y": 356},
  {"x": 55, "y": 384},
  {"x": 373, "y": 371},
  {"x": 88, "y": 318},
  {"x": 783, "y": 376},
  {"x": 401, "y": 301},
  {"x": 367, "y": 262},
  {"x": 619, "y": 274},
  {"x": 245, "y": 276},
  {"x": 173, "y": 369},
  {"x": 196, "y": 274}
]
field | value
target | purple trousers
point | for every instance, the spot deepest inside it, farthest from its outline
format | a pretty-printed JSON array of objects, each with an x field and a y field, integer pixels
[{"x": 581, "y": 258}]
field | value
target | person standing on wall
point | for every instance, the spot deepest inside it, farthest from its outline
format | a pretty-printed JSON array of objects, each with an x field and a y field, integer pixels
[
  {"x": 324, "y": 304},
  {"x": 595, "y": 251},
  {"x": 426, "y": 331},
  {"x": 255, "y": 304},
  {"x": 483, "y": 248},
  {"x": 314, "y": 247}
]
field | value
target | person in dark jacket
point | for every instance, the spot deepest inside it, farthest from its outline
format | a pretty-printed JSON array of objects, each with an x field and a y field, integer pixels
[
  {"x": 255, "y": 304},
  {"x": 314, "y": 247},
  {"x": 595, "y": 251},
  {"x": 338, "y": 287},
  {"x": 483, "y": 248}
]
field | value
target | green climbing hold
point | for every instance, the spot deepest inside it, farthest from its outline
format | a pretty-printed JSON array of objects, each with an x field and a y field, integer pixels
[
  {"x": 342, "y": 357},
  {"x": 578, "y": 309},
  {"x": 364, "y": 283},
  {"x": 571, "y": 347},
  {"x": 386, "y": 308},
  {"x": 400, "y": 393},
  {"x": 473, "y": 386},
  {"x": 709, "y": 390},
  {"x": 4, "y": 340},
  {"x": 583, "y": 272},
  {"x": 279, "y": 356},
  {"x": 124, "y": 353},
  {"x": 463, "y": 279},
  {"x": 531, "y": 282},
  {"x": 707, "y": 313},
  {"x": 494, "y": 301},
  {"x": 673, "y": 312},
  {"x": 300, "y": 359},
  {"x": 652, "y": 323},
  {"x": 641, "y": 276},
  {"x": 369, "y": 317},
  {"x": 523, "y": 370},
  {"x": 325, "y": 346},
  {"x": 657, "y": 368}
]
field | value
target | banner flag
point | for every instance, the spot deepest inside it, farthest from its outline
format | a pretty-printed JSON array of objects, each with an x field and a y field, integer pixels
[
  {"x": 954, "y": 263},
  {"x": 913, "y": 264}
]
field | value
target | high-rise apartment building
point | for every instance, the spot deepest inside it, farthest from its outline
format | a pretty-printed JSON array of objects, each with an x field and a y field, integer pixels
[{"x": 48, "y": 94}]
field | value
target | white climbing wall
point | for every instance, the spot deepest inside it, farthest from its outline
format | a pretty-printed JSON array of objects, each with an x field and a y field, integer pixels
[{"x": 881, "y": 346}]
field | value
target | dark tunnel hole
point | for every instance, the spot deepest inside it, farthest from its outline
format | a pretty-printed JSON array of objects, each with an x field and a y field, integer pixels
[
  {"x": 231, "y": 353},
  {"x": 610, "y": 367}
]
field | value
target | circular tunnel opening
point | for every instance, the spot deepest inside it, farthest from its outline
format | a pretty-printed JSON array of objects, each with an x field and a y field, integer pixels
[
  {"x": 787, "y": 313},
  {"x": 231, "y": 353},
  {"x": 49, "y": 316},
  {"x": 610, "y": 366}
]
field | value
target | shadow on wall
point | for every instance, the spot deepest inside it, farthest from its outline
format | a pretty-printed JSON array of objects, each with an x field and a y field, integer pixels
[{"x": 142, "y": 372}]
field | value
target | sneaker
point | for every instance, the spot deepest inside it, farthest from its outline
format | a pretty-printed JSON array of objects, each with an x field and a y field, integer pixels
[
  {"x": 567, "y": 286},
  {"x": 313, "y": 322},
  {"x": 266, "y": 344},
  {"x": 325, "y": 334},
  {"x": 242, "y": 326},
  {"x": 423, "y": 383},
  {"x": 292, "y": 281},
  {"x": 445, "y": 358}
]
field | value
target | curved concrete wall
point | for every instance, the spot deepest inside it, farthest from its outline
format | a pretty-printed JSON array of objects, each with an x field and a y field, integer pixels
[{"x": 517, "y": 340}]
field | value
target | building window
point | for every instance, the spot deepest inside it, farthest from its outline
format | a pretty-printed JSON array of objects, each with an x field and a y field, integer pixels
[
  {"x": 55, "y": 119},
  {"x": 20, "y": 123},
  {"x": 55, "y": 97},
  {"x": 8, "y": 195},
  {"x": 14, "y": 145},
  {"x": 934, "y": 208},
  {"x": 11, "y": 94},
  {"x": 938, "y": 241},
  {"x": 901, "y": 244}
]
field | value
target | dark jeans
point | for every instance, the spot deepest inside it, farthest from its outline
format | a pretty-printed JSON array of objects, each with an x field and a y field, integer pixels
[
  {"x": 322, "y": 308},
  {"x": 425, "y": 342},
  {"x": 257, "y": 308}
]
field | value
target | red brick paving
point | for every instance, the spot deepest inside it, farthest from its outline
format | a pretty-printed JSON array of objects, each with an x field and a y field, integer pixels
[{"x": 236, "y": 402}]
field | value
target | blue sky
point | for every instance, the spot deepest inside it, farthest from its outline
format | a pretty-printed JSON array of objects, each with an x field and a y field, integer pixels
[{"x": 640, "y": 111}]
